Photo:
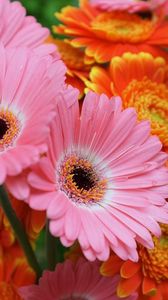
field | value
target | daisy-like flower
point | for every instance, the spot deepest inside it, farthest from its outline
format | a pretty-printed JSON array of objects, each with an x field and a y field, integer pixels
[
  {"x": 142, "y": 82},
  {"x": 105, "y": 34},
  {"x": 17, "y": 29},
  {"x": 103, "y": 181},
  {"x": 74, "y": 59},
  {"x": 149, "y": 276},
  {"x": 29, "y": 86},
  {"x": 83, "y": 282}
]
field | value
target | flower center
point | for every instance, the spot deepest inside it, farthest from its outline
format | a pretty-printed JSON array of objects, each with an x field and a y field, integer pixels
[
  {"x": 80, "y": 181},
  {"x": 155, "y": 261},
  {"x": 123, "y": 27},
  {"x": 9, "y": 129},
  {"x": 150, "y": 101},
  {"x": 8, "y": 292},
  {"x": 83, "y": 178},
  {"x": 3, "y": 128}
]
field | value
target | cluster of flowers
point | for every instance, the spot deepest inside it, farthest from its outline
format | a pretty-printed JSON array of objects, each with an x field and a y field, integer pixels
[{"x": 91, "y": 169}]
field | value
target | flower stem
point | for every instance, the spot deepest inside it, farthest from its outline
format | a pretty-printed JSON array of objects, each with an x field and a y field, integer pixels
[
  {"x": 19, "y": 231},
  {"x": 50, "y": 249},
  {"x": 54, "y": 249}
]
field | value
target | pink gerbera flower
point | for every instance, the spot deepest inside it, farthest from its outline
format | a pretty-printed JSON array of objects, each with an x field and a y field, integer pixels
[
  {"x": 160, "y": 4},
  {"x": 103, "y": 181},
  {"x": 130, "y": 5},
  {"x": 80, "y": 281},
  {"x": 28, "y": 87},
  {"x": 17, "y": 29}
]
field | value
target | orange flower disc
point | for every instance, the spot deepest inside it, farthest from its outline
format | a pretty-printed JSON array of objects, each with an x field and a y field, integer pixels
[
  {"x": 155, "y": 261},
  {"x": 123, "y": 27},
  {"x": 150, "y": 101}
]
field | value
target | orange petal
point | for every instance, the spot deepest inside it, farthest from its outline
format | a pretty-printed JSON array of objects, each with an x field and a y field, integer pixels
[
  {"x": 7, "y": 237},
  {"x": 163, "y": 288},
  {"x": 149, "y": 286},
  {"x": 118, "y": 67},
  {"x": 101, "y": 79},
  {"x": 23, "y": 274},
  {"x": 88, "y": 60},
  {"x": 129, "y": 286},
  {"x": 158, "y": 296},
  {"x": 8, "y": 292},
  {"x": 111, "y": 266},
  {"x": 77, "y": 83},
  {"x": 1, "y": 268},
  {"x": 35, "y": 223},
  {"x": 129, "y": 268}
]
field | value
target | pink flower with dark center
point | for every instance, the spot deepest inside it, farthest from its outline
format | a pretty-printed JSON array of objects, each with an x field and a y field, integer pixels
[
  {"x": 29, "y": 86},
  {"x": 74, "y": 281},
  {"x": 103, "y": 181}
]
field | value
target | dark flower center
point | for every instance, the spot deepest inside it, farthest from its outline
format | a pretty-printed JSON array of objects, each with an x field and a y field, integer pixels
[
  {"x": 3, "y": 128},
  {"x": 83, "y": 178},
  {"x": 79, "y": 179},
  {"x": 145, "y": 14}
]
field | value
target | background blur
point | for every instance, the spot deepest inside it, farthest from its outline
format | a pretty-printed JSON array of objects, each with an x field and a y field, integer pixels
[{"x": 44, "y": 10}]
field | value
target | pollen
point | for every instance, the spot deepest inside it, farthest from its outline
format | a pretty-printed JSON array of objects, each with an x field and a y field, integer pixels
[
  {"x": 80, "y": 181},
  {"x": 9, "y": 129},
  {"x": 155, "y": 261},
  {"x": 8, "y": 292},
  {"x": 122, "y": 26},
  {"x": 150, "y": 101}
]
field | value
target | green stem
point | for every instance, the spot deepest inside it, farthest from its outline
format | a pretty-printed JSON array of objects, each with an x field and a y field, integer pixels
[
  {"x": 19, "y": 231},
  {"x": 60, "y": 251},
  {"x": 50, "y": 249},
  {"x": 54, "y": 249}
]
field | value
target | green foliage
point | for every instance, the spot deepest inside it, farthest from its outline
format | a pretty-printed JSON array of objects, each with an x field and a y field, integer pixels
[{"x": 43, "y": 10}]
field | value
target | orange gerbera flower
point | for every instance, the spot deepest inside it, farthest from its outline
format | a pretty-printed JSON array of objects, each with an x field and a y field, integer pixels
[
  {"x": 14, "y": 268},
  {"x": 74, "y": 59},
  {"x": 14, "y": 272},
  {"x": 149, "y": 276},
  {"x": 142, "y": 82},
  {"x": 8, "y": 292},
  {"x": 106, "y": 34},
  {"x": 33, "y": 221}
]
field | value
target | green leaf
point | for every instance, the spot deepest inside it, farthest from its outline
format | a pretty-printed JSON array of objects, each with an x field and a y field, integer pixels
[{"x": 43, "y": 10}]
